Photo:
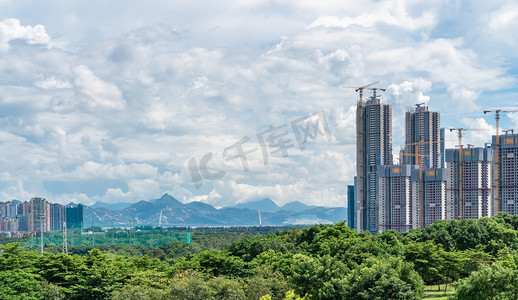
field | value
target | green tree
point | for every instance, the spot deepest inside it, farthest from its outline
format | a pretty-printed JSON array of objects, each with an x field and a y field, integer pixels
[
  {"x": 312, "y": 274},
  {"x": 277, "y": 261},
  {"x": 266, "y": 280},
  {"x": 219, "y": 263},
  {"x": 149, "y": 284},
  {"x": 389, "y": 278},
  {"x": 490, "y": 282},
  {"x": 18, "y": 284},
  {"x": 428, "y": 259},
  {"x": 98, "y": 277},
  {"x": 191, "y": 285}
]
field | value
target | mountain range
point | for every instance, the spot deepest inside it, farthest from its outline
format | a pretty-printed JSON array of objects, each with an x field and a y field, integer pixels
[{"x": 169, "y": 211}]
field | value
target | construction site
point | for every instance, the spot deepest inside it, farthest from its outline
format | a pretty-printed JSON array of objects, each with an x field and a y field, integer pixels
[{"x": 427, "y": 182}]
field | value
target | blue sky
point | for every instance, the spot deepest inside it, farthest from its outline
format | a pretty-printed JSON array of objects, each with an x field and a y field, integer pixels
[{"x": 110, "y": 100}]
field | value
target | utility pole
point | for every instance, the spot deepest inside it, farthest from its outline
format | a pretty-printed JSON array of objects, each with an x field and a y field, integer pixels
[
  {"x": 65, "y": 245},
  {"x": 113, "y": 234},
  {"x": 93, "y": 238},
  {"x": 42, "y": 217}
]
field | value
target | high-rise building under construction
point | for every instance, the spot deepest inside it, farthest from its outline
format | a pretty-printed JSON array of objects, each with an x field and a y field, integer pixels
[
  {"x": 397, "y": 207},
  {"x": 373, "y": 148},
  {"x": 469, "y": 190},
  {"x": 507, "y": 178},
  {"x": 410, "y": 197},
  {"x": 423, "y": 137}
]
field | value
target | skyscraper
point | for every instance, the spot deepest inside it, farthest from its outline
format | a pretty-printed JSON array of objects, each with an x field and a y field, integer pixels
[
  {"x": 74, "y": 216},
  {"x": 351, "y": 210},
  {"x": 57, "y": 216},
  {"x": 508, "y": 173},
  {"x": 39, "y": 214},
  {"x": 373, "y": 148},
  {"x": 423, "y": 136},
  {"x": 469, "y": 191}
]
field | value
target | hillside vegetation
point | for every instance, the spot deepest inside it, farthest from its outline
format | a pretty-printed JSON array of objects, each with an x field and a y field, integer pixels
[{"x": 317, "y": 262}]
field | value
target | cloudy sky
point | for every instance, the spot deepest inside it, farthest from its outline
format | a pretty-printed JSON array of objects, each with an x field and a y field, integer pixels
[{"x": 114, "y": 100}]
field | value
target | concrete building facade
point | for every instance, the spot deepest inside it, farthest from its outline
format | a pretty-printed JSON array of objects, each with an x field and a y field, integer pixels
[
  {"x": 40, "y": 217},
  {"x": 397, "y": 207},
  {"x": 423, "y": 136},
  {"x": 373, "y": 149},
  {"x": 469, "y": 189},
  {"x": 401, "y": 197},
  {"x": 433, "y": 195},
  {"x": 508, "y": 173}
]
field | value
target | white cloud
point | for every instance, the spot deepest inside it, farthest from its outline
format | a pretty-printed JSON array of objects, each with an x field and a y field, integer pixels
[
  {"x": 11, "y": 29},
  {"x": 463, "y": 97},
  {"x": 391, "y": 13},
  {"x": 343, "y": 122},
  {"x": 479, "y": 134},
  {"x": 52, "y": 83},
  {"x": 409, "y": 93},
  {"x": 98, "y": 93},
  {"x": 93, "y": 170},
  {"x": 501, "y": 24}
]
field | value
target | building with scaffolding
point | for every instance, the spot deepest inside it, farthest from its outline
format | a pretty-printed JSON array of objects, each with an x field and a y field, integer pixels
[
  {"x": 397, "y": 207},
  {"x": 469, "y": 189},
  {"x": 423, "y": 136},
  {"x": 507, "y": 178},
  {"x": 407, "y": 200},
  {"x": 373, "y": 149},
  {"x": 433, "y": 195}
]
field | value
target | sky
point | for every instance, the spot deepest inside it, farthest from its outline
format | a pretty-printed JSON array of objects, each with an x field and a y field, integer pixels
[{"x": 121, "y": 101}]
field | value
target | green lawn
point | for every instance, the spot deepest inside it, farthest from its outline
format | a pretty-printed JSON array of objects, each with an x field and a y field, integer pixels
[{"x": 431, "y": 292}]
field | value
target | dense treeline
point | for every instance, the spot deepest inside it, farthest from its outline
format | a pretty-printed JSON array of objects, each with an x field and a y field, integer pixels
[
  {"x": 317, "y": 262},
  {"x": 140, "y": 236}
]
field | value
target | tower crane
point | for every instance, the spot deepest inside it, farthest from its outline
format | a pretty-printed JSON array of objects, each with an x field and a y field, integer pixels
[
  {"x": 497, "y": 112},
  {"x": 360, "y": 89},
  {"x": 373, "y": 89},
  {"x": 459, "y": 134},
  {"x": 361, "y": 142}
]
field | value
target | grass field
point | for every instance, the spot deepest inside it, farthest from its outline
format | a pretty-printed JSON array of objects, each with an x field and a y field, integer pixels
[{"x": 431, "y": 292}]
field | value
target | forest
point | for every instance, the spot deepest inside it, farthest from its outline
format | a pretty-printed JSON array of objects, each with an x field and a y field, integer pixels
[{"x": 478, "y": 257}]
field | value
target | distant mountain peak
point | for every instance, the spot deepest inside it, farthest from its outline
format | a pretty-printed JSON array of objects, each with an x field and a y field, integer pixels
[
  {"x": 167, "y": 201},
  {"x": 296, "y": 206},
  {"x": 265, "y": 205}
]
